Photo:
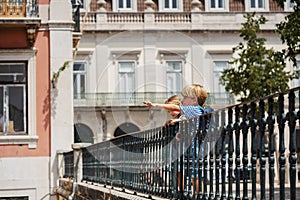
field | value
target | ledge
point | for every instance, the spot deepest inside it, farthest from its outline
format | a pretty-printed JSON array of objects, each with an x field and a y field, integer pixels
[
  {"x": 19, "y": 21},
  {"x": 77, "y": 146},
  {"x": 19, "y": 139},
  {"x": 182, "y": 21},
  {"x": 87, "y": 191}
]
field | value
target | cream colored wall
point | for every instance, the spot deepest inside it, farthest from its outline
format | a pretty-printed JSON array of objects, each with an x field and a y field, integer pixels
[{"x": 25, "y": 176}]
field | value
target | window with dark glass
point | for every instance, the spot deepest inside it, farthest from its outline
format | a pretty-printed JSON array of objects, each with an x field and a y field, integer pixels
[
  {"x": 13, "y": 95},
  {"x": 171, "y": 4},
  {"x": 217, "y": 3},
  {"x": 124, "y": 4},
  {"x": 257, "y": 3}
]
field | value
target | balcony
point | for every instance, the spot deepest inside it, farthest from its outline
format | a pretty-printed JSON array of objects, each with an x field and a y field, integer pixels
[
  {"x": 192, "y": 21},
  {"x": 10, "y": 8},
  {"x": 21, "y": 15},
  {"x": 244, "y": 151},
  {"x": 137, "y": 99},
  {"x": 18, "y": 8}
]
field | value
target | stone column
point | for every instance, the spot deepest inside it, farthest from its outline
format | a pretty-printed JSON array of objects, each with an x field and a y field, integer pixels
[
  {"x": 60, "y": 163},
  {"x": 61, "y": 51},
  {"x": 78, "y": 170}
]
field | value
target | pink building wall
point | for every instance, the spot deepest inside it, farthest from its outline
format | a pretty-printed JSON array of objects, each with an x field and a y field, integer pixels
[{"x": 17, "y": 39}]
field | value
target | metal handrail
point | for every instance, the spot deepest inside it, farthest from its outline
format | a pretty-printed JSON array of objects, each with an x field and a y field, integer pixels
[{"x": 234, "y": 146}]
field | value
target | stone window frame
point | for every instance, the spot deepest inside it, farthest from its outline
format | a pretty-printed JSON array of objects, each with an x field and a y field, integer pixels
[{"x": 29, "y": 56}]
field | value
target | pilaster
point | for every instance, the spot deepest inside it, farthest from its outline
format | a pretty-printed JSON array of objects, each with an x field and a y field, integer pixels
[{"x": 61, "y": 52}]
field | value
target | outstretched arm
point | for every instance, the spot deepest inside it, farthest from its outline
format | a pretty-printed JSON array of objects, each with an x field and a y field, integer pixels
[{"x": 168, "y": 107}]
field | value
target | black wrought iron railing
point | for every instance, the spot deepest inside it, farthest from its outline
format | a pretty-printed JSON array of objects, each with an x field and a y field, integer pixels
[
  {"x": 68, "y": 164},
  {"x": 243, "y": 151}
]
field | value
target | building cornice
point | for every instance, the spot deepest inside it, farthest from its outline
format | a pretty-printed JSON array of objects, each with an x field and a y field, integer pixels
[{"x": 61, "y": 25}]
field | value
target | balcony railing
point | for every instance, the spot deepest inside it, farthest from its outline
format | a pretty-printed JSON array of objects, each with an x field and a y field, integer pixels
[
  {"x": 245, "y": 151},
  {"x": 119, "y": 21},
  {"x": 18, "y": 8},
  {"x": 68, "y": 164},
  {"x": 128, "y": 18},
  {"x": 119, "y": 99},
  {"x": 173, "y": 17}
]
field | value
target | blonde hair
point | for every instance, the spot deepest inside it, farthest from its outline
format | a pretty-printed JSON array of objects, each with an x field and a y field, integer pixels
[
  {"x": 175, "y": 99},
  {"x": 195, "y": 91}
]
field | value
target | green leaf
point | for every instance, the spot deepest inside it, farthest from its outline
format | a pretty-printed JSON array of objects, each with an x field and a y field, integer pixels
[{"x": 256, "y": 71}]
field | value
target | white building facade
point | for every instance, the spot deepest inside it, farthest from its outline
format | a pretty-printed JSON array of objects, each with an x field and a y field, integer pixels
[{"x": 136, "y": 50}]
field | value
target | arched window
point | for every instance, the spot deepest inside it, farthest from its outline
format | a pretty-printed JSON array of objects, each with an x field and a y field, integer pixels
[
  {"x": 83, "y": 134},
  {"x": 125, "y": 128}
]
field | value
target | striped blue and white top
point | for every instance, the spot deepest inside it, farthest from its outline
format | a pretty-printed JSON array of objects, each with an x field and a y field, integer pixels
[{"x": 191, "y": 111}]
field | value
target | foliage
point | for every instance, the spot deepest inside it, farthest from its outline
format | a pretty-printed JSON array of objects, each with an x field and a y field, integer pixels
[
  {"x": 55, "y": 75},
  {"x": 256, "y": 71},
  {"x": 289, "y": 31}
]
